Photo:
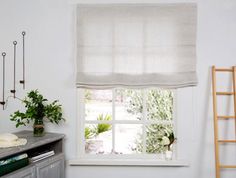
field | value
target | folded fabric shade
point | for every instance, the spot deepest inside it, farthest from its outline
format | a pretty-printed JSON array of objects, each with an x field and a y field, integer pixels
[{"x": 136, "y": 46}]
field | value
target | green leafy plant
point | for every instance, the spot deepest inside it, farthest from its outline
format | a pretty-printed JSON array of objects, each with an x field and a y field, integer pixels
[
  {"x": 100, "y": 128},
  {"x": 159, "y": 107},
  {"x": 88, "y": 133},
  {"x": 158, "y": 138},
  {"x": 103, "y": 127},
  {"x": 37, "y": 108}
]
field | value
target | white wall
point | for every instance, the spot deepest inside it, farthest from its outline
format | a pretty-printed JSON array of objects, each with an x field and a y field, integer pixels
[{"x": 51, "y": 69}]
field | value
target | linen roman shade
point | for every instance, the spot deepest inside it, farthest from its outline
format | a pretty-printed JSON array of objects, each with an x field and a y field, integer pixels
[{"x": 136, "y": 46}]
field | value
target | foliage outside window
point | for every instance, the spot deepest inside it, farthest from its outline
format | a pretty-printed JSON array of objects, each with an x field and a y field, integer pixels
[{"x": 128, "y": 121}]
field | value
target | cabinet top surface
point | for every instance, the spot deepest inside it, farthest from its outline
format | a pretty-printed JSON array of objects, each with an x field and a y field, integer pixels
[{"x": 32, "y": 142}]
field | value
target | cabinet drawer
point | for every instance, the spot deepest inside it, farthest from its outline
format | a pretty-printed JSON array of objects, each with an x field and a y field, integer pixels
[{"x": 52, "y": 167}]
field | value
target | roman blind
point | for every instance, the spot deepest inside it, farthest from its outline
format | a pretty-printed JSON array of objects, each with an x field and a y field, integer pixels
[{"x": 136, "y": 46}]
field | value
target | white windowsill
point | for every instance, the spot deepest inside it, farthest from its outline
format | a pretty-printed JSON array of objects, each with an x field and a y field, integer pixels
[
  {"x": 129, "y": 1},
  {"x": 129, "y": 162}
]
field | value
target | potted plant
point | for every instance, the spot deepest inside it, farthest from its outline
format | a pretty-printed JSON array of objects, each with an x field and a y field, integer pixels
[
  {"x": 93, "y": 143},
  {"x": 168, "y": 141},
  {"x": 37, "y": 110}
]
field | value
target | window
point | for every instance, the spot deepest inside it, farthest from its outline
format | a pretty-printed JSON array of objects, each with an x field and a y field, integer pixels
[
  {"x": 125, "y": 54},
  {"x": 125, "y": 122}
]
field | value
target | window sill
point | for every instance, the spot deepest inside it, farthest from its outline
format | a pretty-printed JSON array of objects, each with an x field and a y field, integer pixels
[{"x": 129, "y": 162}]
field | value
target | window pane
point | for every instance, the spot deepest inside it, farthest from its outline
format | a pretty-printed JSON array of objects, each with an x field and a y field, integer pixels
[
  {"x": 159, "y": 104},
  {"x": 127, "y": 138},
  {"x": 156, "y": 135},
  {"x": 128, "y": 104},
  {"x": 98, "y": 138},
  {"x": 98, "y": 103}
]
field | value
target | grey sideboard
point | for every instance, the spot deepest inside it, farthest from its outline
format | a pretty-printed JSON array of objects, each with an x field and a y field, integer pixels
[{"x": 51, "y": 167}]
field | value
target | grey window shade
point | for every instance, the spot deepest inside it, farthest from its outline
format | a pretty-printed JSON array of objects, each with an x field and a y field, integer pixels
[{"x": 136, "y": 46}]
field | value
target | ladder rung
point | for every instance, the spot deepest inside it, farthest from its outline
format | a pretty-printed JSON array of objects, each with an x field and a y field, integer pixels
[
  {"x": 227, "y": 166},
  {"x": 226, "y": 117},
  {"x": 224, "y": 93},
  {"x": 224, "y": 70},
  {"x": 227, "y": 141}
]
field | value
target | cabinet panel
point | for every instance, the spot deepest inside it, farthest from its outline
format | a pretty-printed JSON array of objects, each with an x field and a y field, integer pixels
[
  {"x": 24, "y": 173},
  {"x": 51, "y": 168}
]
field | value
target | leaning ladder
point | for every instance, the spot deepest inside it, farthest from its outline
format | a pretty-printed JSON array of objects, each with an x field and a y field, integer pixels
[{"x": 232, "y": 70}]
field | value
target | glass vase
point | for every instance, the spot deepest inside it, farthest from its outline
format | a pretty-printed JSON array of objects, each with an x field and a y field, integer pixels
[
  {"x": 38, "y": 128},
  {"x": 168, "y": 155}
]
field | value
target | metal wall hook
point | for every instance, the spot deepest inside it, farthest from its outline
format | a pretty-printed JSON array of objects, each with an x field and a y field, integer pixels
[
  {"x": 14, "y": 71},
  {"x": 3, "y": 101},
  {"x": 3, "y": 80},
  {"x": 23, "y": 40}
]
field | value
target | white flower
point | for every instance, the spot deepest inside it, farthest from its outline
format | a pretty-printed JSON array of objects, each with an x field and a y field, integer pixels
[{"x": 165, "y": 141}]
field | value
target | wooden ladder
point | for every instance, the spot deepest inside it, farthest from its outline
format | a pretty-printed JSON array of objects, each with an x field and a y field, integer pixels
[{"x": 232, "y": 70}]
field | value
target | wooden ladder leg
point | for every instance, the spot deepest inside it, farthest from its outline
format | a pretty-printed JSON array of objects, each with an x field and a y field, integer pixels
[
  {"x": 234, "y": 89},
  {"x": 217, "y": 162}
]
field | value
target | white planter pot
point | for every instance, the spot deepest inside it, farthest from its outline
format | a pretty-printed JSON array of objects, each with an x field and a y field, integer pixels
[{"x": 93, "y": 146}]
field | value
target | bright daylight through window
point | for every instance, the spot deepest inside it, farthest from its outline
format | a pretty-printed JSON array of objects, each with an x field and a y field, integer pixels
[{"x": 127, "y": 121}]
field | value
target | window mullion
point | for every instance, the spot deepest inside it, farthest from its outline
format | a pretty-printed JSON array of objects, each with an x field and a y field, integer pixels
[
  {"x": 113, "y": 119},
  {"x": 144, "y": 119},
  {"x": 81, "y": 124},
  {"x": 174, "y": 122}
]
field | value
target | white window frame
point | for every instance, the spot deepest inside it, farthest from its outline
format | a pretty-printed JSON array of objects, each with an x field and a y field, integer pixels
[{"x": 141, "y": 159}]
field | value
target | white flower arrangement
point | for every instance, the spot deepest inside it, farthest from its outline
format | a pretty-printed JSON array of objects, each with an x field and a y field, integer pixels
[
  {"x": 165, "y": 141},
  {"x": 168, "y": 140}
]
